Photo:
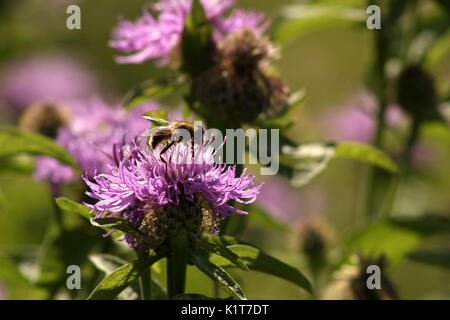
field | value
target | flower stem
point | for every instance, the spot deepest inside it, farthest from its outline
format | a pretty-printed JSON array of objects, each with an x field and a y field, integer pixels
[
  {"x": 381, "y": 44},
  {"x": 412, "y": 139},
  {"x": 145, "y": 278},
  {"x": 177, "y": 262}
]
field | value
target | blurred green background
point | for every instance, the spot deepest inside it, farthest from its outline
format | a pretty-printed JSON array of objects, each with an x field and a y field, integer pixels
[{"x": 331, "y": 63}]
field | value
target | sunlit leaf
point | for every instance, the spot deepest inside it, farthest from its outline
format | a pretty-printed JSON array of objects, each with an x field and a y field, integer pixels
[
  {"x": 309, "y": 160},
  {"x": 259, "y": 261},
  {"x": 224, "y": 252},
  {"x": 298, "y": 20},
  {"x": 14, "y": 141},
  {"x": 364, "y": 153},
  {"x": 72, "y": 206},
  {"x": 438, "y": 51},
  {"x": 108, "y": 263},
  {"x": 21, "y": 164},
  {"x": 152, "y": 89},
  {"x": 119, "y": 279},
  {"x": 200, "y": 259},
  {"x": 287, "y": 117}
]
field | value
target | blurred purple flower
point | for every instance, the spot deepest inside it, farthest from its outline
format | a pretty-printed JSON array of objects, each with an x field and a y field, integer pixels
[
  {"x": 154, "y": 35},
  {"x": 145, "y": 182},
  {"x": 93, "y": 130},
  {"x": 47, "y": 77},
  {"x": 280, "y": 200},
  {"x": 357, "y": 120},
  {"x": 285, "y": 203}
]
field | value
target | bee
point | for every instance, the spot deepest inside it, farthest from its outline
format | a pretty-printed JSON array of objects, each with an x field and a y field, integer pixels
[{"x": 166, "y": 131}]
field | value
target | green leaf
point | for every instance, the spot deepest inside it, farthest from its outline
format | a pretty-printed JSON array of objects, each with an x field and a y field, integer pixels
[
  {"x": 196, "y": 41},
  {"x": 395, "y": 237},
  {"x": 259, "y": 261},
  {"x": 364, "y": 153},
  {"x": 298, "y": 20},
  {"x": 200, "y": 259},
  {"x": 158, "y": 117},
  {"x": 75, "y": 207},
  {"x": 259, "y": 217},
  {"x": 152, "y": 89},
  {"x": 108, "y": 263},
  {"x": 116, "y": 282},
  {"x": 21, "y": 164},
  {"x": 13, "y": 142},
  {"x": 69, "y": 248},
  {"x": 68, "y": 205},
  {"x": 119, "y": 279},
  {"x": 127, "y": 227},
  {"x": 225, "y": 253},
  {"x": 287, "y": 117},
  {"x": 438, "y": 258},
  {"x": 191, "y": 296},
  {"x": 438, "y": 51},
  {"x": 309, "y": 160}
]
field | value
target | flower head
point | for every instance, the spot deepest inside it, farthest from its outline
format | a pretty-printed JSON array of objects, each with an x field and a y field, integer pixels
[
  {"x": 241, "y": 77},
  {"x": 156, "y": 34},
  {"x": 93, "y": 128},
  {"x": 162, "y": 193}
]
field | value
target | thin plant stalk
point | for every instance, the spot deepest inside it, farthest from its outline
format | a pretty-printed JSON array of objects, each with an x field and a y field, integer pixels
[{"x": 145, "y": 278}]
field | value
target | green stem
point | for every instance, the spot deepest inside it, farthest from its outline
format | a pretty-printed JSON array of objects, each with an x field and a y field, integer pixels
[
  {"x": 145, "y": 278},
  {"x": 58, "y": 215},
  {"x": 177, "y": 262},
  {"x": 412, "y": 139}
]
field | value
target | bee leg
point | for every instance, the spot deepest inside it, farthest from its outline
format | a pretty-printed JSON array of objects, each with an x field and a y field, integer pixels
[
  {"x": 164, "y": 151},
  {"x": 192, "y": 147}
]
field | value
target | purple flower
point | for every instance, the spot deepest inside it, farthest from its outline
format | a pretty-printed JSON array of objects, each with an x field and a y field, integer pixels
[
  {"x": 239, "y": 20},
  {"x": 357, "y": 120},
  {"x": 154, "y": 36},
  {"x": 148, "y": 186},
  {"x": 93, "y": 130},
  {"x": 47, "y": 77},
  {"x": 280, "y": 200},
  {"x": 286, "y": 204}
]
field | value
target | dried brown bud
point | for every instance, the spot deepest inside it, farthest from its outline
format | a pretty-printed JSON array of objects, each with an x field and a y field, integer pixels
[
  {"x": 238, "y": 89},
  {"x": 416, "y": 92},
  {"x": 44, "y": 118}
]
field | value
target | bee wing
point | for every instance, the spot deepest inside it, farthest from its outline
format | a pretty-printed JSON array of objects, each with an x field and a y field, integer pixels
[
  {"x": 156, "y": 121},
  {"x": 156, "y": 131}
]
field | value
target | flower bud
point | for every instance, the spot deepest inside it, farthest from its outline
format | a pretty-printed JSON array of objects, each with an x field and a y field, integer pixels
[
  {"x": 416, "y": 92},
  {"x": 44, "y": 118},
  {"x": 351, "y": 282},
  {"x": 238, "y": 89}
]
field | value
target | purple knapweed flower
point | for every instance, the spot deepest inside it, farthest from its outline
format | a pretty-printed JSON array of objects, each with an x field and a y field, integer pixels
[
  {"x": 357, "y": 120},
  {"x": 92, "y": 131},
  {"x": 156, "y": 34},
  {"x": 158, "y": 193},
  {"x": 47, "y": 77}
]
